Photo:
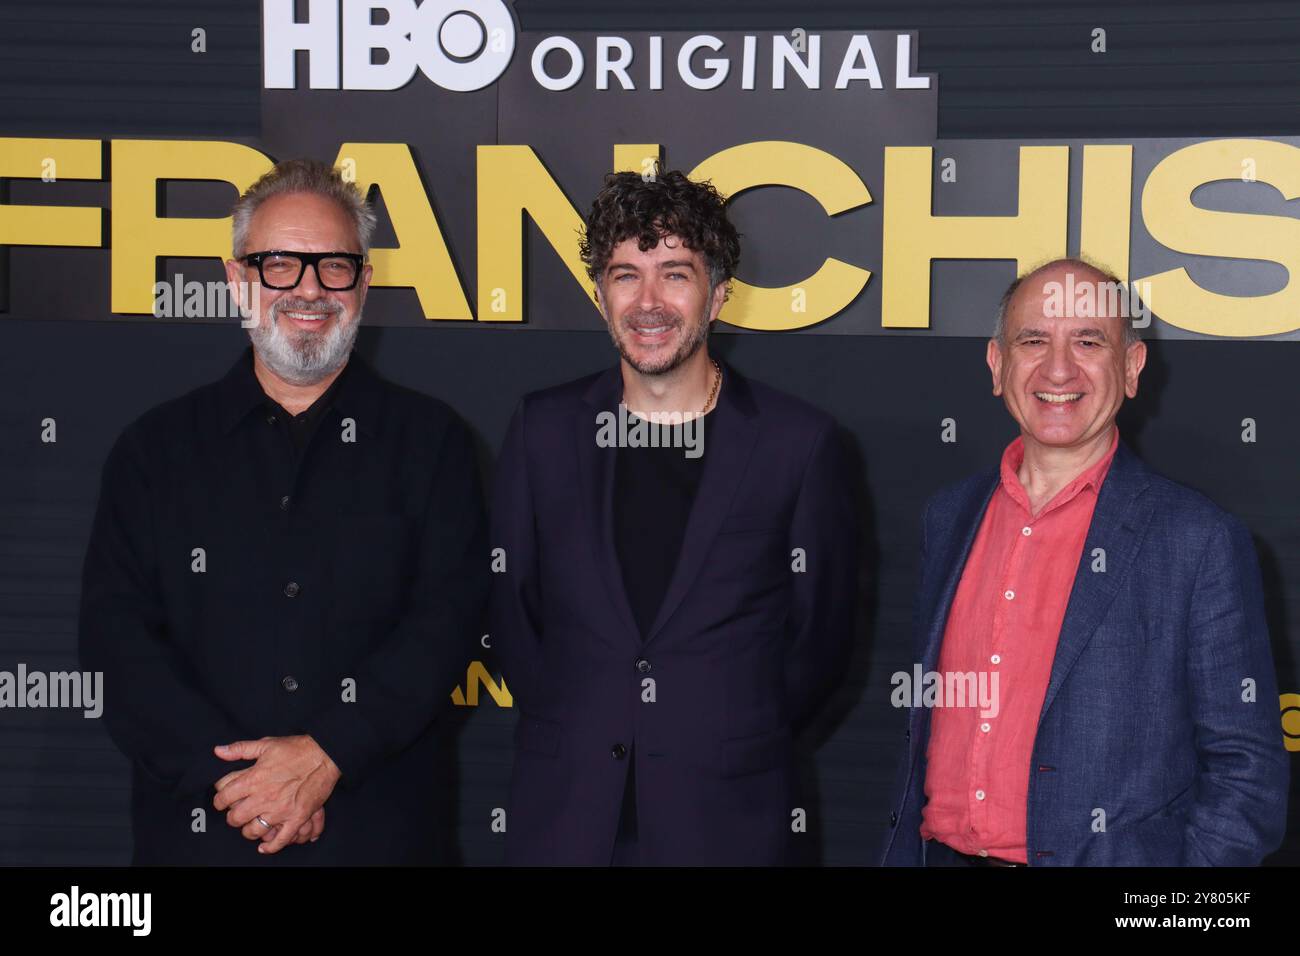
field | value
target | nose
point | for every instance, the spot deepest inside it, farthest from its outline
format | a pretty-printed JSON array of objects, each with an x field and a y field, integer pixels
[
  {"x": 1060, "y": 366},
  {"x": 309, "y": 286},
  {"x": 650, "y": 300}
]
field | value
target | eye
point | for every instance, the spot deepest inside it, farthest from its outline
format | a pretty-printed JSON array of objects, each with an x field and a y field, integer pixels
[
  {"x": 625, "y": 275},
  {"x": 677, "y": 275}
]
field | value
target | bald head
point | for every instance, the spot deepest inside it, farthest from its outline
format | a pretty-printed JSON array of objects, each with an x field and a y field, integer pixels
[{"x": 1071, "y": 288}]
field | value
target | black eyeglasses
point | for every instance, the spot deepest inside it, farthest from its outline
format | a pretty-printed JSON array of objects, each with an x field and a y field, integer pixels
[{"x": 336, "y": 271}]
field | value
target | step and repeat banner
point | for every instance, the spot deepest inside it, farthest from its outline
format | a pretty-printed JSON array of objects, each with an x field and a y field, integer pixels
[{"x": 873, "y": 257}]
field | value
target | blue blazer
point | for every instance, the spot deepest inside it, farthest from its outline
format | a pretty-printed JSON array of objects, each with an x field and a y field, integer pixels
[
  {"x": 744, "y": 649},
  {"x": 1148, "y": 716}
]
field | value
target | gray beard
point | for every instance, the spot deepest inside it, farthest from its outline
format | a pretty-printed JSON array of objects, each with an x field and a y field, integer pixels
[
  {"x": 690, "y": 345},
  {"x": 306, "y": 358}
]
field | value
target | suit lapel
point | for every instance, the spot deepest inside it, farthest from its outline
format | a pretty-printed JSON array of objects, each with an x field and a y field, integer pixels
[
  {"x": 1119, "y": 522},
  {"x": 956, "y": 545},
  {"x": 731, "y": 436},
  {"x": 596, "y": 471},
  {"x": 949, "y": 552}
]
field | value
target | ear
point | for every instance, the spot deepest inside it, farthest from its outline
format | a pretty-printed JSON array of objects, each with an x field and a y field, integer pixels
[
  {"x": 993, "y": 355},
  {"x": 241, "y": 290},
  {"x": 363, "y": 284},
  {"x": 1135, "y": 359},
  {"x": 600, "y": 303},
  {"x": 718, "y": 299}
]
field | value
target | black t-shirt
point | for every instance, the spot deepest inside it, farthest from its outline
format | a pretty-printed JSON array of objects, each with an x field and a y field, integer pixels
[{"x": 654, "y": 490}]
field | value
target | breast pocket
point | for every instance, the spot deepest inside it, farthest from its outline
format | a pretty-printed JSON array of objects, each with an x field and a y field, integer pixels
[
  {"x": 1120, "y": 629},
  {"x": 749, "y": 546}
]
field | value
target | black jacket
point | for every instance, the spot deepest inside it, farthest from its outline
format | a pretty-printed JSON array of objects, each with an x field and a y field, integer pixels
[
  {"x": 231, "y": 592},
  {"x": 753, "y": 634}
]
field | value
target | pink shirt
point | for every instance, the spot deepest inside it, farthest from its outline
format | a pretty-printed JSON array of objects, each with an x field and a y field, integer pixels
[{"x": 1003, "y": 626}]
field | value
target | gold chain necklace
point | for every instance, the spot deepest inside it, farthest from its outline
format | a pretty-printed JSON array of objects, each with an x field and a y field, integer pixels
[
  {"x": 713, "y": 392},
  {"x": 717, "y": 383}
]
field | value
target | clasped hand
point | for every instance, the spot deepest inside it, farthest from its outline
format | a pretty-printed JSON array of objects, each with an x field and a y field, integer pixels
[{"x": 287, "y": 787}]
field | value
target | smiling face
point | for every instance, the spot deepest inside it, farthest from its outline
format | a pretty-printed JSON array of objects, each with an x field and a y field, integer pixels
[
  {"x": 1063, "y": 371},
  {"x": 305, "y": 333},
  {"x": 658, "y": 303}
]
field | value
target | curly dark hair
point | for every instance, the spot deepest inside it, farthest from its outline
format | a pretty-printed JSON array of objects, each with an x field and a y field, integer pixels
[{"x": 632, "y": 206}]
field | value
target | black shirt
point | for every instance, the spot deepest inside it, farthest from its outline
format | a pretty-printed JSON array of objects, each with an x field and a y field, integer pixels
[
  {"x": 299, "y": 428},
  {"x": 654, "y": 490},
  {"x": 232, "y": 590}
]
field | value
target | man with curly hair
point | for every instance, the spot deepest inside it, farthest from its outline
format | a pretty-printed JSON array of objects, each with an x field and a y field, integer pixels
[{"x": 680, "y": 566}]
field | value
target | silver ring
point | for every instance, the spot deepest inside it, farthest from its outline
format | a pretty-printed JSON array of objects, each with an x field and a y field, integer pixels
[{"x": 263, "y": 822}]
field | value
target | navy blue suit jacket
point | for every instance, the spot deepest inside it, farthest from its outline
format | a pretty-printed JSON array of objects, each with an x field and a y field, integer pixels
[
  {"x": 1147, "y": 716},
  {"x": 743, "y": 651}
]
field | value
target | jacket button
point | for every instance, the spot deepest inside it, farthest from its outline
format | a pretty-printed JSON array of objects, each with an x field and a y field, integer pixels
[
  {"x": 291, "y": 589},
  {"x": 618, "y": 751},
  {"x": 907, "y": 734},
  {"x": 893, "y": 819},
  {"x": 643, "y": 666},
  {"x": 290, "y": 683},
  {"x": 270, "y": 419},
  {"x": 284, "y": 503}
]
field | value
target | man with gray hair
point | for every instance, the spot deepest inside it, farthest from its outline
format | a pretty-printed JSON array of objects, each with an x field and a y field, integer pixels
[
  {"x": 1117, "y": 616},
  {"x": 286, "y": 572}
]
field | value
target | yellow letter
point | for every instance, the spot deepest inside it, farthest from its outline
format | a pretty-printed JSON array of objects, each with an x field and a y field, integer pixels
[
  {"x": 140, "y": 235},
  {"x": 512, "y": 180},
  {"x": 477, "y": 676},
  {"x": 828, "y": 180},
  {"x": 51, "y": 225},
  {"x": 1175, "y": 222},
  {"x": 1107, "y": 204},
  {"x": 421, "y": 261},
  {"x": 914, "y": 235}
]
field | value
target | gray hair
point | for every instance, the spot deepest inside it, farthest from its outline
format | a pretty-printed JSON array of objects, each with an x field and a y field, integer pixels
[
  {"x": 302, "y": 176},
  {"x": 1131, "y": 335}
]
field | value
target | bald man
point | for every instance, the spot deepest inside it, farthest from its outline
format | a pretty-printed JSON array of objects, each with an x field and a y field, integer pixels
[{"x": 1098, "y": 683}]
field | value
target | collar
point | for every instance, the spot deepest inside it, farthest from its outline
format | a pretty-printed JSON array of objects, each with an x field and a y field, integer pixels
[
  {"x": 359, "y": 394},
  {"x": 1013, "y": 457}
]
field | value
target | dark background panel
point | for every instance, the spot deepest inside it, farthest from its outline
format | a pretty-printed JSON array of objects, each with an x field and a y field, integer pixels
[{"x": 1005, "y": 70}]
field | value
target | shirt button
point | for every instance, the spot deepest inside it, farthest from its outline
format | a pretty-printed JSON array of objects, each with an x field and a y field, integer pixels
[
  {"x": 291, "y": 589},
  {"x": 643, "y": 666},
  {"x": 979, "y": 794},
  {"x": 270, "y": 419},
  {"x": 618, "y": 751},
  {"x": 1009, "y": 595},
  {"x": 996, "y": 659},
  {"x": 986, "y": 727},
  {"x": 290, "y": 683},
  {"x": 1026, "y": 531},
  {"x": 284, "y": 503}
]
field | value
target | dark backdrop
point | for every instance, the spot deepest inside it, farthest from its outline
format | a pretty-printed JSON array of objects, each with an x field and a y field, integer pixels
[{"x": 1013, "y": 70}]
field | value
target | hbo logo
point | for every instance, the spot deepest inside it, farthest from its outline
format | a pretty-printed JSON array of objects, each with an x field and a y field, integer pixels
[{"x": 458, "y": 44}]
